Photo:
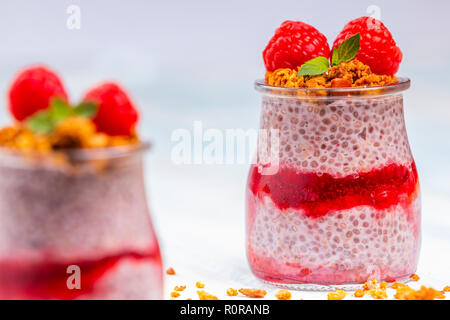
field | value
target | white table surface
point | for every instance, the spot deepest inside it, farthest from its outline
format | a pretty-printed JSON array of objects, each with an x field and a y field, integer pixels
[{"x": 200, "y": 217}]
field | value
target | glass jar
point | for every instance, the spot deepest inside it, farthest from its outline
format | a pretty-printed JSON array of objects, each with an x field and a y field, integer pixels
[
  {"x": 77, "y": 227},
  {"x": 338, "y": 202}
]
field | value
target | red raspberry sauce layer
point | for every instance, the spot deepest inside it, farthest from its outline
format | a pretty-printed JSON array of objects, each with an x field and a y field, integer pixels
[
  {"x": 48, "y": 280},
  {"x": 319, "y": 194}
]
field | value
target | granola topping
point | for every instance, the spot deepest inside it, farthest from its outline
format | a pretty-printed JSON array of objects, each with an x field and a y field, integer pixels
[
  {"x": 347, "y": 74},
  {"x": 72, "y": 133}
]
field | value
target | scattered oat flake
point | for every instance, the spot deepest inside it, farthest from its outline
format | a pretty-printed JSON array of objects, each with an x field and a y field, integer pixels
[
  {"x": 446, "y": 289},
  {"x": 371, "y": 284},
  {"x": 174, "y": 294},
  {"x": 398, "y": 285},
  {"x": 415, "y": 277},
  {"x": 253, "y": 293},
  {"x": 377, "y": 293},
  {"x": 170, "y": 271},
  {"x": 203, "y": 295},
  {"x": 199, "y": 285},
  {"x": 179, "y": 288},
  {"x": 405, "y": 292},
  {"x": 359, "y": 293},
  {"x": 283, "y": 295},
  {"x": 232, "y": 292},
  {"x": 339, "y": 294}
]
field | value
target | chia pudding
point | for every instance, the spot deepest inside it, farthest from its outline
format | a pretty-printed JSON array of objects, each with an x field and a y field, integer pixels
[
  {"x": 344, "y": 205},
  {"x": 74, "y": 217},
  {"x": 93, "y": 216}
]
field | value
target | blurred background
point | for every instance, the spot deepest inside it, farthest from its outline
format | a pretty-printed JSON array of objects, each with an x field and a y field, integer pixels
[{"x": 197, "y": 60}]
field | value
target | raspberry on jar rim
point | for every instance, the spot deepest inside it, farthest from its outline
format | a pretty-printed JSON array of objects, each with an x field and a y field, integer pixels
[
  {"x": 32, "y": 90},
  {"x": 116, "y": 113},
  {"x": 294, "y": 43},
  {"x": 378, "y": 48}
]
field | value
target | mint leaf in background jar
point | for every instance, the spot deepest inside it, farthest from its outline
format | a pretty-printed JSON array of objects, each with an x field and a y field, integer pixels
[
  {"x": 44, "y": 121},
  {"x": 40, "y": 122},
  {"x": 346, "y": 51},
  {"x": 59, "y": 110},
  {"x": 314, "y": 67},
  {"x": 86, "y": 109}
]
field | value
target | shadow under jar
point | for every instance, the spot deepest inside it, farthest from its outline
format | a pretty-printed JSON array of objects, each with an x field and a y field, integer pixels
[
  {"x": 77, "y": 230},
  {"x": 343, "y": 205}
]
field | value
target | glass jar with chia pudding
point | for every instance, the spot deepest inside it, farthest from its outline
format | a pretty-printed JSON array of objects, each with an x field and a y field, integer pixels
[
  {"x": 344, "y": 205},
  {"x": 74, "y": 219},
  {"x": 89, "y": 216}
]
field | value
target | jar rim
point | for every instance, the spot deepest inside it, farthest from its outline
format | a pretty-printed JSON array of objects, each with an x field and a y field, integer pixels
[
  {"x": 17, "y": 159},
  {"x": 107, "y": 152},
  {"x": 402, "y": 84}
]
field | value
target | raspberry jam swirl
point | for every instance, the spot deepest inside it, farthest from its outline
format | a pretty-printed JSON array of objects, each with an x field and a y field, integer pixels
[{"x": 343, "y": 206}]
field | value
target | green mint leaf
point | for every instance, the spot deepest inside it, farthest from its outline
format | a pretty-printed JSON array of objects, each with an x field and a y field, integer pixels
[
  {"x": 44, "y": 121},
  {"x": 346, "y": 51},
  {"x": 86, "y": 109},
  {"x": 314, "y": 67},
  {"x": 59, "y": 110},
  {"x": 40, "y": 122}
]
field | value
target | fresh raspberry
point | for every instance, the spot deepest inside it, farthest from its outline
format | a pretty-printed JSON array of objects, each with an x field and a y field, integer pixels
[
  {"x": 116, "y": 114},
  {"x": 32, "y": 90},
  {"x": 294, "y": 43},
  {"x": 378, "y": 49}
]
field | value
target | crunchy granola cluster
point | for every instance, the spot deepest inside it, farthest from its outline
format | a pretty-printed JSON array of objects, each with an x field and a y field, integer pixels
[
  {"x": 372, "y": 288},
  {"x": 405, "y": 292},
  {"x": 71, "y": 133},
  {"x": 347, "y": 74}
]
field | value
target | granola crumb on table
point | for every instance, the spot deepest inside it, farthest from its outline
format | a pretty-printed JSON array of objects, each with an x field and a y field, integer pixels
[
  {"x": 283, "y": 295},
  {"x": 347, "y": 74},
  {"x": 339, "y": 294},
  {"x": 170, "y": 271},
  {"x": 253, "y": 293},
  {"x": 378, "y": 293},
  {"x": 199, "y": 285},
  {"x": 405, "y": 292},
  {"x": 174, "y": 294},
  {"x": 232, "y": 292},
  {"x": 203, "y": 295},
  {"x": 180, "y": 288},
  {"x": 359, "y": 293},
  {"x": 371, "y": 284},
  {"x": 415, "y": 277}
]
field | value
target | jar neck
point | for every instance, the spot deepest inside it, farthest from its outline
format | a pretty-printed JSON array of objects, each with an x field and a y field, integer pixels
[
  {"x": 346, "y": 131},
  {"x": 322, "y": 116}
]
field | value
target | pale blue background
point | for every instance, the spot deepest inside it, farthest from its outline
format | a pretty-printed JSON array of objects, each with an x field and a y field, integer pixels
[{"x": 197, "y": 60}]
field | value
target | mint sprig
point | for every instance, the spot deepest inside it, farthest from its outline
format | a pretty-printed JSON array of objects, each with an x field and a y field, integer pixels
[
  {"x": 44, "y": 121},
  {"x": 85, "y": 109},
  {"x": 346, "y": 51},
  {"x": 314, "y": 67}
]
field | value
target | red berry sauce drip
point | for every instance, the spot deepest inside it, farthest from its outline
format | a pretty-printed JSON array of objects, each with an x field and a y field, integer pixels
[
  {"x": 22, "y": 280},
  {"x": 318, "y": 195}
]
